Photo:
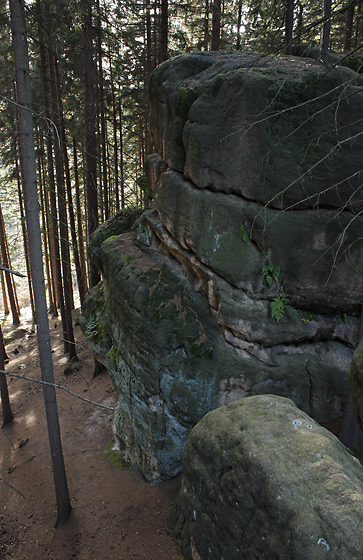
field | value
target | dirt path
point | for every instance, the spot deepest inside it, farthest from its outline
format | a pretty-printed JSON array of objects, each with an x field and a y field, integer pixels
[{"x": 116, "y": 515}]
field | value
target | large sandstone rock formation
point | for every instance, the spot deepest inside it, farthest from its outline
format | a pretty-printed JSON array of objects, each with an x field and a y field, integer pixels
[
  {"x": 262, "y": 480},
  {"x": 244, "y": 277}
]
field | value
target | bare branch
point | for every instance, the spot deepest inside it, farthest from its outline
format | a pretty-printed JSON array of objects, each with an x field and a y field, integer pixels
[
  {"x": 57, "y": 386},
  {"x": 2, "y": 267}
]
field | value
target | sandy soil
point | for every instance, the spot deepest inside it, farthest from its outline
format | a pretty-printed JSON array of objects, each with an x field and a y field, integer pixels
[{"x": 116, "y": 514}]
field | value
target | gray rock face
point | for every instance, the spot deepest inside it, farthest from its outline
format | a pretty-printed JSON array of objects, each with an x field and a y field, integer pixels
[
  {"x": 262, "y": 480},
  {"x": 280, "y": 134},
  {"x": 244, "y": 277},
  {"x": 356, "y": 383}
]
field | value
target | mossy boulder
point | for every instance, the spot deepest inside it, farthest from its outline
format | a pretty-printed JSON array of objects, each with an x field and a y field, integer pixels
[
  {"x": 262, "y": 480},
  {"x": 119, "y": 223}
]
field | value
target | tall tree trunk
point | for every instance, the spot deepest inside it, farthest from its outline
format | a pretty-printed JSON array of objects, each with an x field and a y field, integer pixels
[
  {"x": 81, "y": 286},
  {"x": 62, "y": 212},
  {"x": 35, "y": 248},
  {"x": 9, "y": 284},
  {"x": 239, "y": 22},
  {"x": 5, "y": 400},
  {"x": 82, "y": 257},
  {"x": 325, "y": 32},
  {"x": 358, "y": 35},
  {"x": 104, "y": 175},
  {"x": 289, "y": 22},
  {"x": 9, "y": 265},
  {"x": 299, "y": 23},
  {"x": 90, "y": 130},
  {"x": 121, "y": 158},
  {"x": 5, "y": 297},
  {"x": 164, "y": 31},
  {"x": 348, "y": 31},
  {"x": 114, "y": 125},
  {"x": 55, "y": 260},
  {"x": 216, "y": 26}
]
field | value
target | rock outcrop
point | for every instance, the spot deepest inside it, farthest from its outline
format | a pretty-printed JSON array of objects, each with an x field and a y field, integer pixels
[
  {"x": 262, "y": 480},
  {"x": 244, "y": 277},
  {"x": 356, "y": 383}
]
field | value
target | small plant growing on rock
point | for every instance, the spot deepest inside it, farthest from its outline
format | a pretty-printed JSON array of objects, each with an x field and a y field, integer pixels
[
  {"x": 244, "y": 234},
  {"x": 271, "y": 274},
  {"x": 280, "y": 305}
]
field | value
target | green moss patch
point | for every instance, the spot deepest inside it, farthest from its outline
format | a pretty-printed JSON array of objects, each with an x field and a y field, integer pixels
[{"x": 115, "y": 458}]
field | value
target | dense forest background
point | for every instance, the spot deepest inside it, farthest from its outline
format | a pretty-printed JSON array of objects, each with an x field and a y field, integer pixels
[{"x": 90, "y": 62}]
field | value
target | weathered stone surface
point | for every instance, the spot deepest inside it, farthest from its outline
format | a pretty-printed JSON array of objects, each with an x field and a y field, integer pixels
[
  {"x": 187, "y": 321},
  {"x": 262, "y": 480},
  {"x": 154, "y": 167},
  {"x": 300, "y": 243},
  {"x": 121, "y": 222},
  {"x": 356, "y": 383},
  {"x": 171, "y": 363},
  {"x": 280, "y": 130}
]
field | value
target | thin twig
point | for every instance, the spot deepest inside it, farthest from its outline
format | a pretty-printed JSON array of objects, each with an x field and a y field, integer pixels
[
  {"x": 12, "y": 487},
  {"x": 7, "y": 435},
  {"x": 57, "y": 386}
]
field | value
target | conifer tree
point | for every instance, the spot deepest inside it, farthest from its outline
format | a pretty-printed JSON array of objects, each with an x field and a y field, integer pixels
[{"x": 35, "y": 248}]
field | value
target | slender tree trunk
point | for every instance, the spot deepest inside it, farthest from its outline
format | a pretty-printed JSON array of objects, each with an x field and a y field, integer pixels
[
  {"x": 62, "y": 212},
  {"x": 46, "y": 232},
  {"x": 55, "y": 260},
  {"x": 9, "y": 265},
  {"x": 164, "y": 31},
  {"x": 325, "y": 32},
  {"x": 90, "y": 130},
  {"x": 35, "y": 248},
  {"x": 358, "y": 35},
  {"x": 80, "y": 283},
  {"x": 114, "y": 125},
  {"x": 121, "y": 158},
  {"x": 5, "y": 400},
  {"x": 289, "y": 21},
  {"x": 5, "y": 298},
  {"x": 9, "y": 284},
  {"x": 102, "y": 117},
  {"x": 216, "y": 26},
  {"x": 206, "y": 26},
  {"x": 82, "y": 257},
  {"x": 299, "y": 23},
  {"x": 239, "y": 22},
  {"x": 348, "y": 31}
]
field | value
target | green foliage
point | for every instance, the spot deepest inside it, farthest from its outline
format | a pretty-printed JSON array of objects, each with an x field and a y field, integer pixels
[
  {"x": 344, "y": 320},
  {"x": 280, "y": 305},
  {"x": 244, "y": 234},
  {"x": 271, "y": 274},
  {"x": 308, "y": 316}
]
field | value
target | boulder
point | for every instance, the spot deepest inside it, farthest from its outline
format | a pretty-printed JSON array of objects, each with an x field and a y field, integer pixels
[
  {"x": 270, "y": 129},
  {"x": 262, "y": 480},
  {"x": 244, "y": 275}
]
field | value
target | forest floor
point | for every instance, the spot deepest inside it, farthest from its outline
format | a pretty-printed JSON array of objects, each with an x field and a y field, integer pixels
[{"x": 115, "y": 513}]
